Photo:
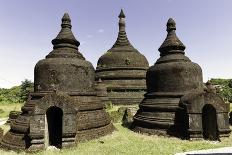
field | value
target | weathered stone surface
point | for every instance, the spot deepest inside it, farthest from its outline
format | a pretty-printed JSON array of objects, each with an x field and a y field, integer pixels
[
  {"x": 64, "y": 69},
  {"x": 172, "y": 76},
  {"x": 175, "y": 102},
  {"x": 230, "y": 118},
  {"x": 203, "y": 114},
  {"x": 210, "y": 88},
  {"x": 1, "y": 134},
  {"x": 64, "y": 107},
  {"x": 127, "y": 118},
  {"x": 102, "y": 93},
  {"x": 12, "y": 116},
  {"x": 123, "y": 69}
]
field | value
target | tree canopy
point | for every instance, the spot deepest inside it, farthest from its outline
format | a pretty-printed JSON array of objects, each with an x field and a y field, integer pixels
[{"x": 16, "y": 94}]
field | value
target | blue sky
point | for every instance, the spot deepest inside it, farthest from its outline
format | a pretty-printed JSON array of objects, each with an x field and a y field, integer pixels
[{"x": 28, "y": 26}]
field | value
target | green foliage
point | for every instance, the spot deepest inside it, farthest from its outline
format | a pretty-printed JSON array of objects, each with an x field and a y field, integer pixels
[
  {"x": 225, "y": 88},
  {"x": 11, "y": 95},
  {"x": 222, "y": 82},
  {"x": 230, "y": 83},
  {"x": 1, "y": 111},
  {"x": 16, "y": 94},
  {"x": 25, "y": 88},
  {"x": 116, "y": 116}
]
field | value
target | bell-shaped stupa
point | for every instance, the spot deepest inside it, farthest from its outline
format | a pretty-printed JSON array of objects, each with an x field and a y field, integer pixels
[
  {"x": 176, "y": 102},
  {"x": 123, "y": 70},
  {"x": 172, "y": 76},
  {"x": 64, "y": 107}
]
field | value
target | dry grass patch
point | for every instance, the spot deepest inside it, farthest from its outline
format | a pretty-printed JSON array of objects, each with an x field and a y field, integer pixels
[{"x": 7, "y": 108}]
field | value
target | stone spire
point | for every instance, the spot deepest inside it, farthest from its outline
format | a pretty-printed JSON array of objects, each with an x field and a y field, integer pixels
[
  {"x": 122, "y": 39},
  {"x": 65, "y": 39},
  {"x": 123, "y": 70},
  {"x": 121, "y": 15},
  {"x": 171, "y": 44}
]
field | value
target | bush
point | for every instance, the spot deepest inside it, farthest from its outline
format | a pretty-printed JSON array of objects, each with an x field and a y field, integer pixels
[
  {"x": 230, "y": 83},
  {"x": 25, "y": 88},
  {"x": 11, "y": 95},
  {"x": 16, "y": 94},
  {"x": 226, "y": 88}
]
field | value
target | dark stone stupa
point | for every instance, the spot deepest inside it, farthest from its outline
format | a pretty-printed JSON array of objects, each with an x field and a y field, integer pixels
[
  {"x": 175, "y": 102},
  {"x": 64, "y": 107},
  {"x": 123, "y": 69}
]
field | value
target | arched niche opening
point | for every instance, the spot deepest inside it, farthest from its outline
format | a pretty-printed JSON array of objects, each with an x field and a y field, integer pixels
[
  {"x": 209, "y": 123},
  {"x": 54, "y": 116}
]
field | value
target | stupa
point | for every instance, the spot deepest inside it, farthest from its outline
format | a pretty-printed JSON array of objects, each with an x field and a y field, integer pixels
[
  {"x": 175, "y": 102},
  {"x": 102, "y": 93},
  {"x": 64, "y": 107},
  {"x": 123, "y": 70}
]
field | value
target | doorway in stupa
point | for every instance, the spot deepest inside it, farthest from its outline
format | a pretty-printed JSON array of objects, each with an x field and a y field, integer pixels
[
  {"x": 54, "y": 117},
  {"x": 209, "y": 123}
]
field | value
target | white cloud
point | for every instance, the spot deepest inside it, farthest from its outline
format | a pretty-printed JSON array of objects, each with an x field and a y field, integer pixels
[{"x": 100, "y": 30}]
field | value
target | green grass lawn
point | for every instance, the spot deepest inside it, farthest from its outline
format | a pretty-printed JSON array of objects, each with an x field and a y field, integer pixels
[
  {"x": 128, "y": 142},
  {"x": 125, "y": 141},
  {"x": 5, "y": 108}
]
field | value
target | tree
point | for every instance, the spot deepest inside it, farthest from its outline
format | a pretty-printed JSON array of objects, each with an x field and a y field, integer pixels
[
  {"x": 230, "y": 83},
  {"x": 11, "y": 95},
  {"x": 26, "y": 87}
]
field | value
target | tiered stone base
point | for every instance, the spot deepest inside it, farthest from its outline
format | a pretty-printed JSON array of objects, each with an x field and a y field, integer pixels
[
  {"x": 94, "y": 133},
  {"x": 126, "y": 98},
  {"x": 28, "y": 131},
  {"x": 156, "y": 115}
]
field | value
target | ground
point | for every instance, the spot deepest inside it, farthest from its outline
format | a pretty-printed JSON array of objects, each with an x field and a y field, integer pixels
[
  {"x": 125, "y": 141},
  {"x": 6, "y": 108}
]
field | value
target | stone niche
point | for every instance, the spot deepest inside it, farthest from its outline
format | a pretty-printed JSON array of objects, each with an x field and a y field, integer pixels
[
  {"x": 203, "y": 115},
  {"x": 54, "y": 121}
]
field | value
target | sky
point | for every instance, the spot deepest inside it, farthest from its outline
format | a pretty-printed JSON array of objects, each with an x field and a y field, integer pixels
[{"x": 28, "y": 26}]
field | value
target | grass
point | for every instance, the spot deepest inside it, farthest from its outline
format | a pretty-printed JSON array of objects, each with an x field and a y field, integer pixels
[
  {"x": 116, "y": 112},
  {"x": 125, "y": 141},
  {"x": 5, "y": 108}
]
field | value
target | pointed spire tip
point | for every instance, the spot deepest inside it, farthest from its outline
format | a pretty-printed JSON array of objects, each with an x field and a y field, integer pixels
[
  {"x": 121, "y": 15},
  {"x": 66, "y": 17}
]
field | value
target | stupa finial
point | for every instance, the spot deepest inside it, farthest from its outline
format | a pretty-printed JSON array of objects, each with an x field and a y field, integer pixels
[
  {"x": 65, "y": 39},
  {"x": 121, "y": 15},
  {"x": 171, "y": 25},
  {"x": 122, "y": 39},
  {"x": 122, "y": 23},
  {"x": 171, "y": 44},
  {"x": 65, "y": 35},
  {"x": 66, "y": 21}
]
